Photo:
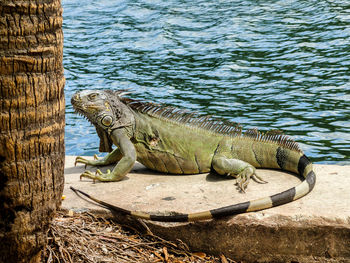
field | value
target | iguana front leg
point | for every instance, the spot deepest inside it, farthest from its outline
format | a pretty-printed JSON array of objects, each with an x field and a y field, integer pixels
[
  {"x": 110, "y": 158},
  {"x": 126, "y": 152},
  {"x": 241, "y": 170}
]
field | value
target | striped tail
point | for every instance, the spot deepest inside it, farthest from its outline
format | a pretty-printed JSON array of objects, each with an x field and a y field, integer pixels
[{"x": 294, "y": 193}]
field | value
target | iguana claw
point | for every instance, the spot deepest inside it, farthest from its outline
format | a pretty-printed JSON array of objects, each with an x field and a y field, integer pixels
[
  {"x": 258, "y": 179},
  {"x": 243, "y": 179},
  {"x": 95, "y": 162},
  {"x": 98, "y": 175},
  {"x": 80, "y": 159},
  {"x": 103, "y": 177},
  {"x": 87, "y": 174},
  {"x": 244, "y": 176}
]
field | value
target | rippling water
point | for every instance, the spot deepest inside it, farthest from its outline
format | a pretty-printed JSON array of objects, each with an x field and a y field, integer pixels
[{"x": 266, "y": 64}]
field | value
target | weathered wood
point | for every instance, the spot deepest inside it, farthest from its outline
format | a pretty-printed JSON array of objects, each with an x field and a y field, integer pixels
[{"x": 31, "y": 125}]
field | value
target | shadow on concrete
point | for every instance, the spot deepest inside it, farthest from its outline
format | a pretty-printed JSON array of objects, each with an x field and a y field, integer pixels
[{"x": 215, "y": 177}]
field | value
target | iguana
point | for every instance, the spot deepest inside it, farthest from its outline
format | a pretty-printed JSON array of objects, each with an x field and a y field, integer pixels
[{"x": 170, "y": 140}]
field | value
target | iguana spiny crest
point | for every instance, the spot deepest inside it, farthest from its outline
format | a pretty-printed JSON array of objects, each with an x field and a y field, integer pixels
[{"x": 109, "y": 110}]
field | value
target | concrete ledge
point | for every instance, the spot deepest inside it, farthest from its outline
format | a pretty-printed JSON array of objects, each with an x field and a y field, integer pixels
[{"x": 315, "y": 228}]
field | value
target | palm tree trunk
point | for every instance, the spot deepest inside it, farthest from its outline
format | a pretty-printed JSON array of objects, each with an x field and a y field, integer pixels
[{"x": 31, "y": 125}]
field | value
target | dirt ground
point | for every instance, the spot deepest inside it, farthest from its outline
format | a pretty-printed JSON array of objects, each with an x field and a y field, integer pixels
[{"x": 90, "y": 237}]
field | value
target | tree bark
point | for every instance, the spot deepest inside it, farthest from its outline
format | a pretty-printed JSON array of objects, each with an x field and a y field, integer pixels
[{"x": 31, "y": 125}]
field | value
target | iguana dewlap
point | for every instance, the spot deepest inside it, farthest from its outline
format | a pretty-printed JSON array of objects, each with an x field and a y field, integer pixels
[{"x": 174, "y": 141}]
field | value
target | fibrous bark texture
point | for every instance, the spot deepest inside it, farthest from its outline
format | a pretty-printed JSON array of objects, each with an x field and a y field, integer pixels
[{"x": 31, "y": 125}]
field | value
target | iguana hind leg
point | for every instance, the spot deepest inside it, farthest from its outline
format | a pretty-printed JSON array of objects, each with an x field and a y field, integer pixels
[{"x": 241, "y": 170}]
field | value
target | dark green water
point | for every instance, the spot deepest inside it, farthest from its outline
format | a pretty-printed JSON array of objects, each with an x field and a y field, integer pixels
[{"x": 266, "y": 64}]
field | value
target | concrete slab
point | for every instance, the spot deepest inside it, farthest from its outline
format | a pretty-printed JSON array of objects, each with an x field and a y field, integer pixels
[{"x": 315, "y": 228}]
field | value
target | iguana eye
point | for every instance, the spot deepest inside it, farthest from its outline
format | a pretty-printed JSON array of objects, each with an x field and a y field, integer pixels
[
  {"x": 107, "y": 121},
  {"x": 93, "y": 96}
]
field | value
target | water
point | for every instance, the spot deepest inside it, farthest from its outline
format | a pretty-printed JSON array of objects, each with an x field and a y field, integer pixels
[{"x": 266, "y": 64}]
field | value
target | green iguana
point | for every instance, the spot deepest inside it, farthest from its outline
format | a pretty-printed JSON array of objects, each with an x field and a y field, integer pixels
[{"x": 175, "y": 141}]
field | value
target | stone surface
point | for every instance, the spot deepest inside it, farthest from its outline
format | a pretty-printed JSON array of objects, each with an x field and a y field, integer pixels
[{"x": 315, "y": 228}]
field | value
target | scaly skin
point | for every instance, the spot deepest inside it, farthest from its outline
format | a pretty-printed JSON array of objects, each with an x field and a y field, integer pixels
[{"x": 171, "y": 142}]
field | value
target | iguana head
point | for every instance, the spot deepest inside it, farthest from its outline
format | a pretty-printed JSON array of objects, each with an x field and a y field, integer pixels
[{"x": 104, "y": 110}]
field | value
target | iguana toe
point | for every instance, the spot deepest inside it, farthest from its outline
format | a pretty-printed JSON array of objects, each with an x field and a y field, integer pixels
[
  {"x": 100, "y": 176},
  {"x": 87, "y": 174},
  {"x": 80, "y": 159},
  {"x": 243, "y": 178},
  {"x": 95, "y": 162},
  {"x": 258, "y": 179}
]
